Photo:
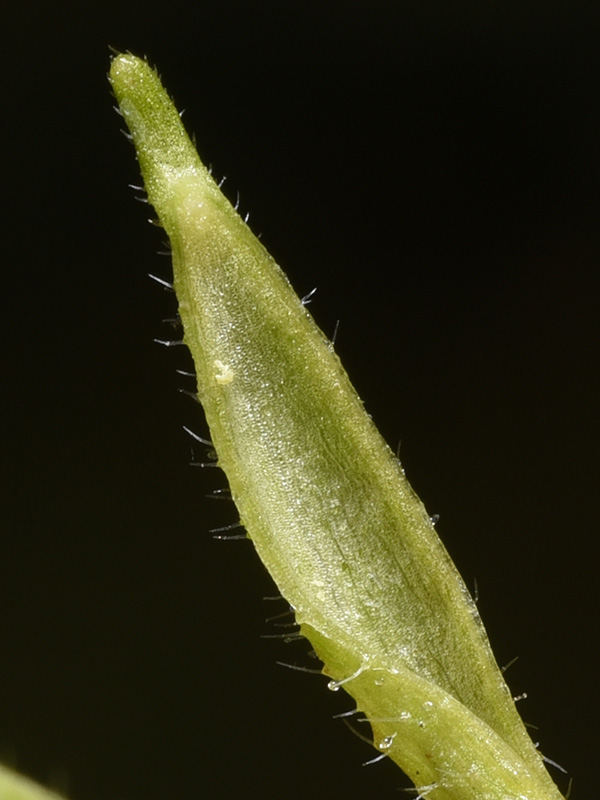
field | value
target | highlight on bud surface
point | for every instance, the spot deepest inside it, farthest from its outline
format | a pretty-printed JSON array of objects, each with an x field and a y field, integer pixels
[{"x": 322, "y": 497}]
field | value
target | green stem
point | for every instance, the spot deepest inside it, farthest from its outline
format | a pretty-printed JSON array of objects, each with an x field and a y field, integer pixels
[
  {"x": 321, "y": 495},
  {"x": 16, "y": 787}
]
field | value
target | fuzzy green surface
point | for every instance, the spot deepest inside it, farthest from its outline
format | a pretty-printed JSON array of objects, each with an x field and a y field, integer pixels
[
  {"x": 16, "y": 787},
  {"x": 321, "y": 495}
]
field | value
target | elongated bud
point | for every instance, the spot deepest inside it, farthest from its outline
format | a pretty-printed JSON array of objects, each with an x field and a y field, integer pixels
[{"x": 321, "y": 495}]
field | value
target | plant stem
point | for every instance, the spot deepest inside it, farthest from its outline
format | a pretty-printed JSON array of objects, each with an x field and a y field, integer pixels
[{"x": 16, "y": 787}]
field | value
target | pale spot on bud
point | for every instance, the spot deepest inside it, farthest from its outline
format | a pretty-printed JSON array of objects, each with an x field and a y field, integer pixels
[{"x": 224, "y": 372}]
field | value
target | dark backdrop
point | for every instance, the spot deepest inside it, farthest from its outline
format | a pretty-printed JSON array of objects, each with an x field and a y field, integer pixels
[{"x": 434, "y": 169}]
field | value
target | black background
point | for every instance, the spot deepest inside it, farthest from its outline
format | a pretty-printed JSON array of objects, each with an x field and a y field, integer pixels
[{"x": 434, "y": 168}]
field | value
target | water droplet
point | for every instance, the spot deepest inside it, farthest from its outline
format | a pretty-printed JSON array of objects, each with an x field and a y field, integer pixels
[
  {"x": 333, "y": 686},
  {"x": 379, "y": 681},
  {"x": 386, "y": 743}
]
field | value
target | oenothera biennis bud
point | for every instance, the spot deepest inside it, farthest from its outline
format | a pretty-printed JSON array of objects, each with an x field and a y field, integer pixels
[{"x": 322, "y": 497}]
